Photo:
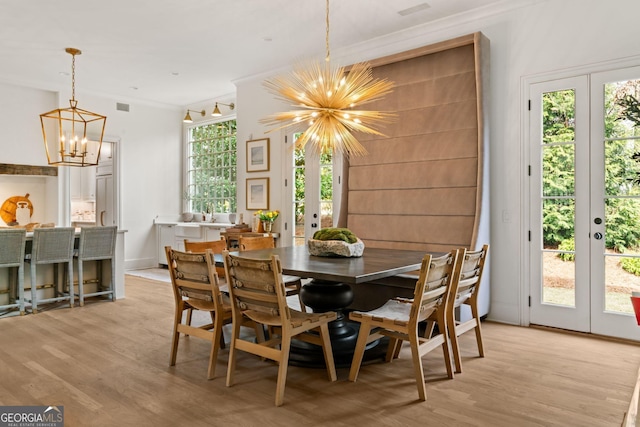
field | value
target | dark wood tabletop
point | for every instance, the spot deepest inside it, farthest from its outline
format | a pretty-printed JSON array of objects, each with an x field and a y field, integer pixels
[{"x": 373, "y": 264}]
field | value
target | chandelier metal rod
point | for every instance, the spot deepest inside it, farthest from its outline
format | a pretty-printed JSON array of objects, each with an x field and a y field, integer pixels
[{"x": 328, "y": 57}]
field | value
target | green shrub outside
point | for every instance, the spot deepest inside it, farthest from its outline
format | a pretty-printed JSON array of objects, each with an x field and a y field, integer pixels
[
  {"x": 567, "y": 245},
  {"x": 631, "y": 265}
]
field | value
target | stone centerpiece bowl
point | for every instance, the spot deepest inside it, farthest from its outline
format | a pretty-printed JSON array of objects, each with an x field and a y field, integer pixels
[{"x": 337, "y": 248}]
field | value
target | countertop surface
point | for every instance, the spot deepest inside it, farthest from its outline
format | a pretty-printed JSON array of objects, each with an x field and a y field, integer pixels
[{"x": 195, "y": 224}]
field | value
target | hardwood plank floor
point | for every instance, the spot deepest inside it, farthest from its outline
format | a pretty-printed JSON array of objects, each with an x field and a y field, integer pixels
[{"x": 107, "y": 364}]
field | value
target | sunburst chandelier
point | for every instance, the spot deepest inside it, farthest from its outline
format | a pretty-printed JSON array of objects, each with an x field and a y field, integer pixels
[{"x": 326, "y": 98}]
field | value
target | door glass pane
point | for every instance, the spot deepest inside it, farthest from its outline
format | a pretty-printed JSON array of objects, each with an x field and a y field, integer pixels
[
  {"x": 326, "y": 190},
  {"x": 298, "y": 197},
  {"x": 317, "y": 194},
  {"x": 558, "y": 269},
  {"x": 558, "y": 198},
  {"x": 622, "y": 194}
]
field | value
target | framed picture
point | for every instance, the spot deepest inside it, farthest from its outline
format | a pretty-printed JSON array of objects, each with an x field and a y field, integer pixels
[
  {"x": 257, "y": 193},
  {"x": 258, "y": 155}
]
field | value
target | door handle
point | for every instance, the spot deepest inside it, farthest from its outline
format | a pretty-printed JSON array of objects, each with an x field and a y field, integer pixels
[
  {"x": 597, "y": 235},
  {"x": 102, "y": 218},
  {"x": 314, "y": 225}
]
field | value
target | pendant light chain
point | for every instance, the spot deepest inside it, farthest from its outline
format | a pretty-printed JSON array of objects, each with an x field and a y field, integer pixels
[
  {"x": 327, "y": 21},
  {"x": 73, "y": 77}
]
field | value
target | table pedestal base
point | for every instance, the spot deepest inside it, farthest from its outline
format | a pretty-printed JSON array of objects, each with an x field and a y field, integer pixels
[{"x": 321, "y": 296}]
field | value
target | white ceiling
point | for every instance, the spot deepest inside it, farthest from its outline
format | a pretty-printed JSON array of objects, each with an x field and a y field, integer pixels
[{"x": 181, "y": 52}]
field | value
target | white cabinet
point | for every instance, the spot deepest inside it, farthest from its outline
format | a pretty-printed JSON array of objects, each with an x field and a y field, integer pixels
[
  {"x": 191, "y": 232},
  {"x": 105, "y": 203},
  {"x": 175, "y": 235},
  {"x": 82, "y": 183},
  {"x": 89, "y": 183},
  {"x": 166, "y": 237},
  {"x": 211, "y": 233}
]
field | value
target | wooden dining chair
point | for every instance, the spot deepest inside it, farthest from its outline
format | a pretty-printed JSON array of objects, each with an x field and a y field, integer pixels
[
  {"x": 292, "y": 284},
  {"x": 216, "y": 246},
  {"x": 467, "y": 294},
  {"x": 258, "y": 293},
  {"x": 195, "y": 287},
  {"x": 398, "y": 318}
]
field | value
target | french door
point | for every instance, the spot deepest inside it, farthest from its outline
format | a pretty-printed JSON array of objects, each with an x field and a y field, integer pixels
[
  {"x": 314, "y": 193},
  {"x": 585, "y": 203}
]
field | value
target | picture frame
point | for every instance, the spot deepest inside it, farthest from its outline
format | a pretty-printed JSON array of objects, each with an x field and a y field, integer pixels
[
  {"x": 257, "y": 193},
  {"x": 258, "y": 155}
]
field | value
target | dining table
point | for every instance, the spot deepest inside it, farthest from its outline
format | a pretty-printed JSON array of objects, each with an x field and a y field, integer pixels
[{"x": 330, "y": 289}]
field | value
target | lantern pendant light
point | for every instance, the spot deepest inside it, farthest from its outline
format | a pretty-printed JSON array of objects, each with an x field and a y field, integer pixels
[{"x": 72, "y": 136}]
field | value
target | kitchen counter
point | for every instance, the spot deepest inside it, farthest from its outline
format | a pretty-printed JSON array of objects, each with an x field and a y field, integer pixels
[
  {"x": 194, "y": 224},
  {"x": 174, "y": 233}
]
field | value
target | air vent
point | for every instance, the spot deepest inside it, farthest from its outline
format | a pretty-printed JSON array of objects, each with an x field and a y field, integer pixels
[
  {"x": 414, "y": 9},
  {"x": 122, "y": 107}
]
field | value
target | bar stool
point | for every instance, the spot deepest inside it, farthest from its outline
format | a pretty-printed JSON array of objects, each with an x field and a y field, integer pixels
[
  {"x": 52, "y": 246},
  {"x": 12, "y": 247},
  {"x": 97, "y": 244}
]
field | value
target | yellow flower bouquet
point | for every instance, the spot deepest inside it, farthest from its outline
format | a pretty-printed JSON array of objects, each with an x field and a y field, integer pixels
[{"x": 269, "y": 216}]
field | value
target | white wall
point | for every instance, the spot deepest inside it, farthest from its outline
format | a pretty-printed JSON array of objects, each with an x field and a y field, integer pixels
[
  {"x": 251, "y": 93},
  {"x": 150, "y": 155},
  {"x": 542, "y": 36}
]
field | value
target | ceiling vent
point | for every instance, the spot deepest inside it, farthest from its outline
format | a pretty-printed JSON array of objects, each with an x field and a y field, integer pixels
[
  {"x": 414, "y": 9},
  {"x": 122, "y": 107}
]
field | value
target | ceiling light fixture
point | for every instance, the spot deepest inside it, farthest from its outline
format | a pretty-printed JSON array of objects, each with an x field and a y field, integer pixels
[
  {"x": 216, "y": 111},
  {"x": 326, "y": 97},
  {"x": 72, "y": 136}
]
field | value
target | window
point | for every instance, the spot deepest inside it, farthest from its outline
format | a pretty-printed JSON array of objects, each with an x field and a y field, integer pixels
[{"x": 211, "y": 168}]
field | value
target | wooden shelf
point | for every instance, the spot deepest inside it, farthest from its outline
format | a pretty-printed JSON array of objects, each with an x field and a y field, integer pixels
[{"x": 11, "y": 169}]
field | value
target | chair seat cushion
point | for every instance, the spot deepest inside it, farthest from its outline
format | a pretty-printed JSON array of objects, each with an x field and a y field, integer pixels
[
  {"x": 207, "y": 305},
  {"x": 290, "y": 279},
  {"x": 298, "y": 318},
  {"x": 394, "y": 311}
]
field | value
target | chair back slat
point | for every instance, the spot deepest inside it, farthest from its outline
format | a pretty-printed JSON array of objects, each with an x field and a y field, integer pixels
[
  {"x": 257, "y": 285},
  {"x": 97, "y": 243},
  {"x": 12, "y": 247},
  {"x": 193, "y": 275},
  {"x": 216, "y": 246},
  {"x": 433, "y": 286},
  {"x": 470, "y": 274},
  {"x": 255, "y": 243}
]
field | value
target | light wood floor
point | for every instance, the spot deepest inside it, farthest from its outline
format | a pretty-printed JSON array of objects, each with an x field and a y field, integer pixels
[{"x": 107, "y": 364}]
